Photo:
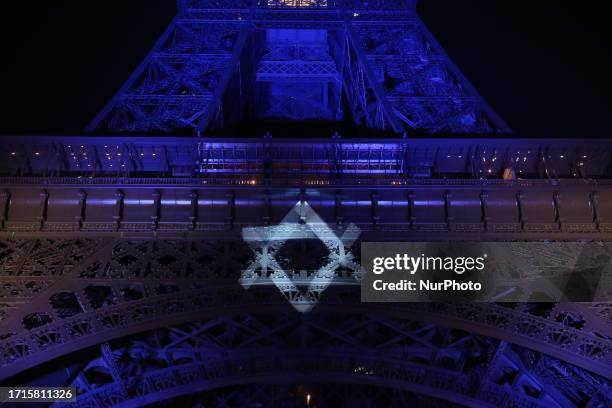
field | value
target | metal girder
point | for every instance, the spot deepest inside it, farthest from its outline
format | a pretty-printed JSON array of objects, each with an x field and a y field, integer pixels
[
  {"x": 281, "y": 369},
  {"x": 426, "y": 91},
  {"x": 361, "y": 98},
  {"x": 271, "y": 70},
  {"x": 97, "y": 121},
  {"x": 115, "y": 288},
  {"x": 190, "y": 157},
  {"x": 90, "y": 254},
  {"x": 363, "y": 71},
  {"x": 453, "y": 365},
  {"x": 180, "y": 83},
  {"x": 497, "y": 120},
  {"x": 213, "y": 108},
  {"x": 210, "y": 206},
  {"x": 424, "y": 87}
]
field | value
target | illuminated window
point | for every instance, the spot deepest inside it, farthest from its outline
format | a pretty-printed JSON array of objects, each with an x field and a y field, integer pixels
[{"x": 297, "y": 3}]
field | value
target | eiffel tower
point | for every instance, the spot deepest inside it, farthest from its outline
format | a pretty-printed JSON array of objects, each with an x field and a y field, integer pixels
[
  {"x": 173, "y": 256},
  {"x": 373, "y": 63}
]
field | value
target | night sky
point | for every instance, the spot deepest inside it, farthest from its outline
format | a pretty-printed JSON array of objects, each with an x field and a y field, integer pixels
[{"x": 543, "y": 65}]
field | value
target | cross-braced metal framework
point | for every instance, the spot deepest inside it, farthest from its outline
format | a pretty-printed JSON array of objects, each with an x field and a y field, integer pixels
[
  {"x": 216, "y": 56},
  {"x": 180, "y": 83},
  {"x": 283, "y": 162},
  {"x": 209, "y": 333},
  {"x": 146, "y": 270},
  {"x": 407, "y": 356}
]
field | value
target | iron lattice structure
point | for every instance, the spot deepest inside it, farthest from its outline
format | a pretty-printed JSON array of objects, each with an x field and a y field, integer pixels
[
  {"x": 199, "y": 271},
  {"x": 222, "y": 62},
  {"x": 169, "y": 317}
]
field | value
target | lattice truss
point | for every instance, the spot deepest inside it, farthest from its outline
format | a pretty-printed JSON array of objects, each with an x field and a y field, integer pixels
[
  {"x": 28, "y": 267},
  {"x": 179, "y": 84},
  {"x": 315, "y": 61},
  {"x": 433, "y": 361},
  {"x": 300, "y": 75},
  {"x": 363, "y": 97},
  {"x": 216, "y": 333},
  {"x": 425, "y": 90},
  {"x": 394, "y": 74}
]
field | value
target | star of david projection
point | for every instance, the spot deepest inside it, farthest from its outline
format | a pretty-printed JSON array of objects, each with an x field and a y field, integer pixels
[{"x": 301, "y": 288}]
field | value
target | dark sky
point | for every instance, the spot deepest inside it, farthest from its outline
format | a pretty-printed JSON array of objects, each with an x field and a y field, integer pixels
[{"x": 544, "y": 65}]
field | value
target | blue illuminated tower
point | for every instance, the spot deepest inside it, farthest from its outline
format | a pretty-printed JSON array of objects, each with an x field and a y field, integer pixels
[
  {"x": 182, "y": 253},
  {"x": 374, "y": 63}
]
